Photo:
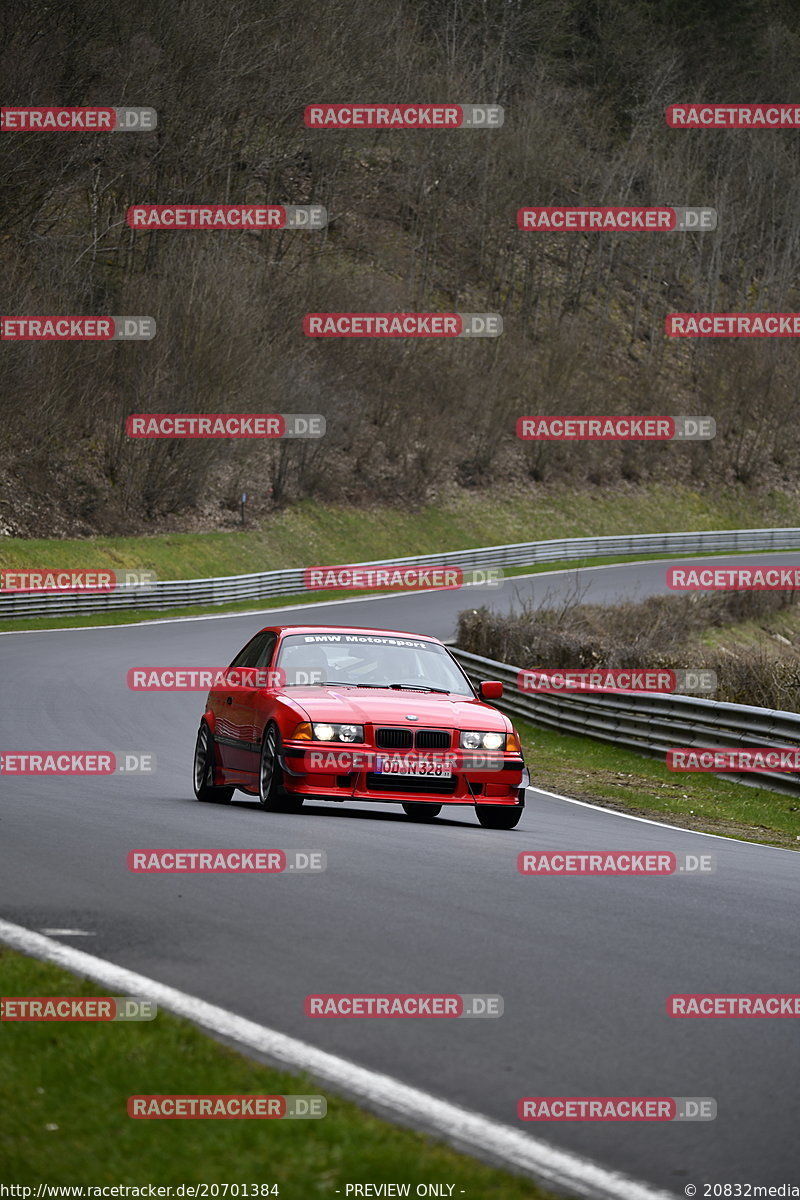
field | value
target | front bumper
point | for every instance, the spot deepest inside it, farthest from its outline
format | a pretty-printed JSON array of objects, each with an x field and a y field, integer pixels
[{"x": 504, "y": 786}]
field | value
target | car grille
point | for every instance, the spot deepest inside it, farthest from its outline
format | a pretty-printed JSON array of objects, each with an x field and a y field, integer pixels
[
  {"x": 433, "y": 739},
  {"x": 393, "y": 739},
  {"x": 410, "y": 784},
  {"x": 404, "y": 739}
]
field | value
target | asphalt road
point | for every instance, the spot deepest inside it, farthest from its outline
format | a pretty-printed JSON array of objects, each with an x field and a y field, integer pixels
[{"x": 584, "y": 965}]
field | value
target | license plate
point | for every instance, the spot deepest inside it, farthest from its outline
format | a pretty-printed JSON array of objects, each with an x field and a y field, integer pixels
[{"x": 424, "y": 768}]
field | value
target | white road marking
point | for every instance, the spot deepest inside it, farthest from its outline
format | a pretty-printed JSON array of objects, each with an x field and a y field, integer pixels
[
  {"x": 67, "y": 933},
  {"x": 250, "y": 612},
  {"x": 299, "y": 603},
  {"x": 610, "y": 812},
  {"x": 468, "y": 1131}
]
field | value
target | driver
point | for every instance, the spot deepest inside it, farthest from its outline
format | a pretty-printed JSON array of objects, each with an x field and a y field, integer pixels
[
  {"x": 384, "y": 665},
  {"x": 305, "y": 665}
]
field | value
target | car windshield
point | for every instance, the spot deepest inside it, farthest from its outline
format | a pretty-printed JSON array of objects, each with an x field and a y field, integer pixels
[{"x": 370, "y": 661}]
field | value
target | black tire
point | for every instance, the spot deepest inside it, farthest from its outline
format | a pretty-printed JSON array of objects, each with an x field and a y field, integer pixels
[
  {"x": 271, "y": 795},
  {"x": 496, "y": 816},
  {"x": 203, "y": 770},
  {"x": 421, "y": 812}
]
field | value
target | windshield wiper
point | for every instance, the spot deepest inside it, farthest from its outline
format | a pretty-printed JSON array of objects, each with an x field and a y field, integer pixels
[
  {"x": 416, "y": 687},
  {"x": 349, "y": 683},
  {"x": 404, "y": 687}
]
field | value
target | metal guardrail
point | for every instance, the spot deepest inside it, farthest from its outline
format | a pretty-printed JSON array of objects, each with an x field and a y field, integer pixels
[
  {"x": 183, "y": 593},
  {"x": 648, "y": 721}
]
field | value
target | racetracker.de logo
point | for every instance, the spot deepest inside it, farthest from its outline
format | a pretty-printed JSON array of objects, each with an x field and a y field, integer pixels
[
  {"x": 412, "y": 325},
  {"x": 732, "y": 325},
  {"x": 226, "y": 1108},
  {"x": 613, "y": 862},
  {"x": 733, "y": 116},
  {"x": 617, "y": 679},
  {"x": 225, "y": 425},
  {"x": 76, "y": 762},
  {"x": 404, "y": 116},
  {"x": 424, "y": 764},
  {"x": 227, "y": 216},
  {"x": 70, "y": 120},
  {"x": 403, "y": 1005},
  {"x": 159, "y": 861},
  {"x": 617, "y": 1108},
  {"x": 743, "y": 758},
  {"x": 615, "y": 220},
  {"x": 733, "y": 579},
  {"x": 386, "y": 577},
  {"x": 76, "y": 1008},
  {"x": 203, "y": 679},
  {"x": 615, "y": 429},
  {"x": 77, "y": 329},
  {"x": 742, "y": 1004},
  {"x": 43, "y": 580}
]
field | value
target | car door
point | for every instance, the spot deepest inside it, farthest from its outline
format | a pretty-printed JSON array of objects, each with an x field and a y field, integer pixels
[
  {"x": 238, "y": 739},
  {"x": 255, "y": 705}
]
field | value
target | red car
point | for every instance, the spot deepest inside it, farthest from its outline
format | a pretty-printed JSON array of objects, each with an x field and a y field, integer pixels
[{"x": 340, "y": 713}]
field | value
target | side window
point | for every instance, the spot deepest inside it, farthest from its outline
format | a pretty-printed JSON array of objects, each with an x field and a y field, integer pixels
[
  {"x": 252, "y": 653},
  {"x": 265, "y": 651}
]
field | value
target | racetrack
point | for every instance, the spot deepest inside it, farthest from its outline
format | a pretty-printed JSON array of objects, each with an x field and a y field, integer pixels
[{"x": 584, "y": 965}]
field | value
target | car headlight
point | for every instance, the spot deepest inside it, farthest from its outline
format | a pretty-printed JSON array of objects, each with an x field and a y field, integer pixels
[
  {"x": 323, "y": 732},
  {"x": 351, "y": 733},
  {"x": 475, "y": 740}
]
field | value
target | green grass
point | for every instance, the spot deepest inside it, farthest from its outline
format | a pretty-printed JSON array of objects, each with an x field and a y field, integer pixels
[
  {"x": 64, "y": 1089},
  {"x": 601, "y": 773},
  {"x": 769, "y": 634},
  {"x": 134, "y": 616},
  {"x": 311, "y": 533}
]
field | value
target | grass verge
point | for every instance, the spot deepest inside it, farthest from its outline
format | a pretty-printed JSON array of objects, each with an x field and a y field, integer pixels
[
  {"x": 312, "y": 533},
  {"x": 64, "y": 1089},
  {"x": 641, "y": 785}
]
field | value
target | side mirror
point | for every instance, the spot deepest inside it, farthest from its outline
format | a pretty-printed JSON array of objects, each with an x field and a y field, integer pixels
[{"x": 490, "y": 689}]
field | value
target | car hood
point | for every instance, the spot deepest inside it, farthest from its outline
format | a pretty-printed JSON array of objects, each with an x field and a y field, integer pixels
[{"x": 378, "y": 707}]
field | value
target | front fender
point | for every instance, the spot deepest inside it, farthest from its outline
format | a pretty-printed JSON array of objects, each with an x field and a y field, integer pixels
[{"x": 209, "y": 718}]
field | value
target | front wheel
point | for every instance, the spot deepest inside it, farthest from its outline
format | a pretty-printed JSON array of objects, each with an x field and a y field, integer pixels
[
  {"x": 422, "y": 812},
  {"x": 493, "y": 816},
  {"x": 203, "y": 773},
  {"x": 271, "y": 795}
]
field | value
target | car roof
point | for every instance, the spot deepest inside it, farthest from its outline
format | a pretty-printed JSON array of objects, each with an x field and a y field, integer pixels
[{"x": 282, "y": 630}]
